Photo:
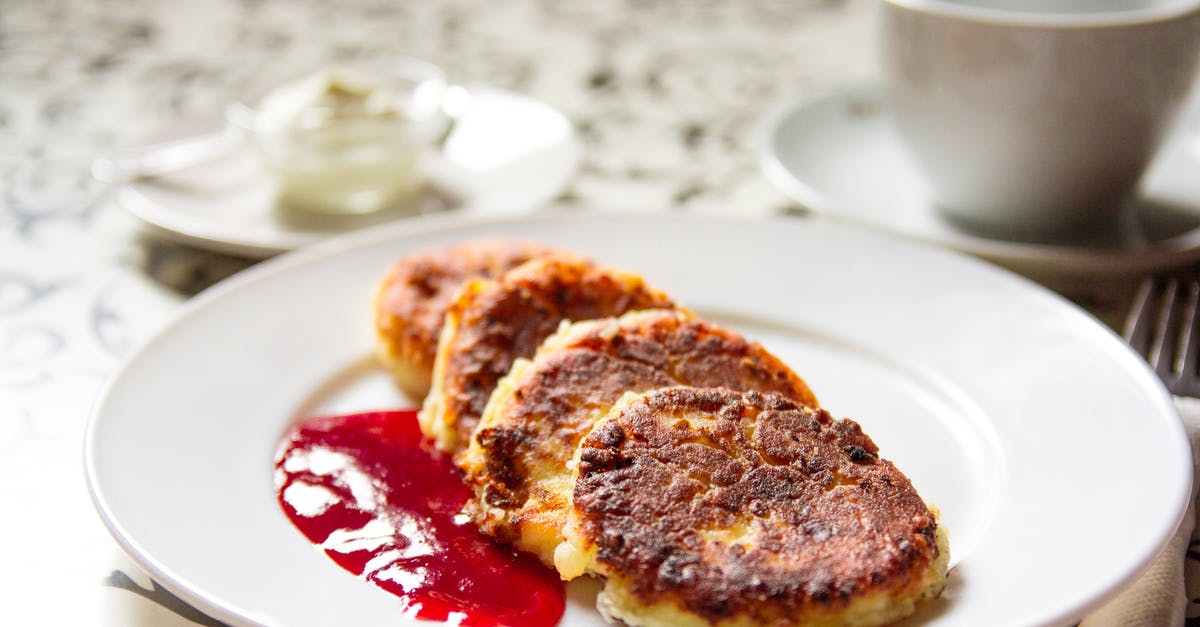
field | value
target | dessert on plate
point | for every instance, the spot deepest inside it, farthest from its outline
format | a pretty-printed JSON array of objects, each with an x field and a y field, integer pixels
[
  {"x": 611, "y": 432},
  {"x": 704, "y": 506}
]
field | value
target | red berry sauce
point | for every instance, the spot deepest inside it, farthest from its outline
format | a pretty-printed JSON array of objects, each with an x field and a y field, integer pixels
[{"x": 366, "y": 490}]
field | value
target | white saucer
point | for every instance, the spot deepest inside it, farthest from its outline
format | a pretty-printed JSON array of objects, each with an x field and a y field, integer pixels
[
  {"x": 508, "y": 154},
  {"x": 839, "y": 156}
]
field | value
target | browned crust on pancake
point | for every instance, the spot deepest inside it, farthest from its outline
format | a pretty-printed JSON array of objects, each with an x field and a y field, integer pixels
[
  {"x": 557, "y": 400},
  {"x": 414, "y": 294},
  {"x": 828, "y": 521},
  {"x": 502, "y": 320}
]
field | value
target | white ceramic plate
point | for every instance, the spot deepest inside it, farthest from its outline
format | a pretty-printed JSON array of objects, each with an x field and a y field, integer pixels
[
  {"x": 508, "y": 154},
  {"x": 1057, "y": 459},
  {"x": 840, "y": 156}
]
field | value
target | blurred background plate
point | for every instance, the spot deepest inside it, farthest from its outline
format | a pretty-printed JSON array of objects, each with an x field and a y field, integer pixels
[{"x": 509, "y": 153}]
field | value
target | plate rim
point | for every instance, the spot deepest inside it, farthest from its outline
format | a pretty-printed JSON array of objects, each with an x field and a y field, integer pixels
[
  {"x": 1182, "y": 248},
  {"x": 442, "y": 223}
]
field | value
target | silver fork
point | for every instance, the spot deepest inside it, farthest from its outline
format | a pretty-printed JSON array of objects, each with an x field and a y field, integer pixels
[{"x": 1163, "y": 327}]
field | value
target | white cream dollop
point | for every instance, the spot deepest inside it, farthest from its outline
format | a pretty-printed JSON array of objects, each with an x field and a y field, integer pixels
[{"x": 329, "y": 98}]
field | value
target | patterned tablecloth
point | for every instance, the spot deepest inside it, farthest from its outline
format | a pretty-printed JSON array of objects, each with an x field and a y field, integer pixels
[{"x": 664, "y": 93}]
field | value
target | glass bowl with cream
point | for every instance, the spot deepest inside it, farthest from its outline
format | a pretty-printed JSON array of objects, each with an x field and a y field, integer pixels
[{"x": 347, "y": 141}]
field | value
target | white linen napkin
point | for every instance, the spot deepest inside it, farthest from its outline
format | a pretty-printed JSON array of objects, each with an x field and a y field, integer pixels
[{"x": 1169, "y": 591}]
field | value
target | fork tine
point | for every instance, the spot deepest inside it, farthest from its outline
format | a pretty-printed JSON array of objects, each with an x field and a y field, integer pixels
[
  {"x": 1164, "y": 327},
  {"x": 1166, "y": 333},
  {"x": 1188, "y": 364},
  {"x": 1137, "y": 325}
]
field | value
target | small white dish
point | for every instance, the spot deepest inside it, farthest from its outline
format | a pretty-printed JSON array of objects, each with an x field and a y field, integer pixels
[
  {"x": 508, "y": 153},
  {"x": 1055, "y": 455},
  {"x": 347, "y": 140},
  {"x": 840, "y": 156}
]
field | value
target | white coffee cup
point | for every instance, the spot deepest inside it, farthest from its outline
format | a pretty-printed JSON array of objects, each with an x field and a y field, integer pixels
[{"x": 1036, "y": 118}]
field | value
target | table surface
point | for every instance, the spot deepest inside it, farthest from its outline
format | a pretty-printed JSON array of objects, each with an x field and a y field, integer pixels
[{"x": 664, "y": 94}]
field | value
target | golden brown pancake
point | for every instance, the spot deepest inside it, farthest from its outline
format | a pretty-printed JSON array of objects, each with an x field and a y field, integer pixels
[
  {"x": 412, "y": 299},
  {"x": 517, "y": 461},
  {"x": 713, "y": 507},
  {"x": 493, "y": 322}
]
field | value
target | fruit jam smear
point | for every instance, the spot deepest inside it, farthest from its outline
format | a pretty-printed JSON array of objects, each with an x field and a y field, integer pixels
[{"x": 364, "y": 489}]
